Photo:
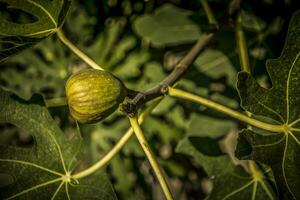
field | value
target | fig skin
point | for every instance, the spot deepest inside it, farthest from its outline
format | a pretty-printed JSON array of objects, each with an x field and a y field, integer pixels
[{"x": 93, "y": 95}]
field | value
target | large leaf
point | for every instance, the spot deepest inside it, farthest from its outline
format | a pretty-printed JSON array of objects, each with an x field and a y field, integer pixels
[
  {"x": 169, "y": 25},
  {"x": 239, "y": 183},
  {"x": 43, "y": 170},
  {"x": 281, "y": 104},
  {"x": 15, "y": 35}
]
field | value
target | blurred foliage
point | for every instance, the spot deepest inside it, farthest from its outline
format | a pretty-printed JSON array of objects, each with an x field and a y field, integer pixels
[
  {"x": 169, "y": 25},
  {"x": 140, "y": 42}
]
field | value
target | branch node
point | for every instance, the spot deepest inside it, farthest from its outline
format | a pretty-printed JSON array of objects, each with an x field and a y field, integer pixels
[
  {"x": 164, "y": 89},
  {"x": 129, "y": 109}
]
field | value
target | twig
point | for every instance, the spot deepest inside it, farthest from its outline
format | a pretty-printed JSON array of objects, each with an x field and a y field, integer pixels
[
  {"x": 210, "y": 15},
  {"x": 242, "y": 46},
  {"x": 141, "y": 98}
]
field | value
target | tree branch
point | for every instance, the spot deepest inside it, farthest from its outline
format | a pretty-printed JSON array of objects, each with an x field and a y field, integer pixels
[{"x": 143, "y": 97}]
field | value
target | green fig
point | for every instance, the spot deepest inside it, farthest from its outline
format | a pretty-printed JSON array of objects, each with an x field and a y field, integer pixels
[{"x": 93, "y": 95}]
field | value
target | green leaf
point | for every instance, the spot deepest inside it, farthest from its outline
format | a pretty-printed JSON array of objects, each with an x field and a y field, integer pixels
[
  {"x": 241, "y": 185},
  {"x": 112, "y": 45},
  {"x": 16, "y": 36},
  {"x": 169, "y": 25},
  {"x": 252, "y": 22},
  {"x": 164, "y": 131},
  {"x": 131, "y": 66},
  {"x": 216, "y": 64},
  {"x": 281, "y": 104},
  {"x": 205, "y": 126},
  {"x": 213, "y": 165},
  {"x": 48, "y": 60},
  {"x": 43, "y": 170}
]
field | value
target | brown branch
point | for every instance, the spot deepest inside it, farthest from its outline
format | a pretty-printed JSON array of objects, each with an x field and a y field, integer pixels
[{"x": 143, "y": 97}]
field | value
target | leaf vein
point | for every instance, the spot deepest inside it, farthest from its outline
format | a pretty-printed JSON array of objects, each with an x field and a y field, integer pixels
[
  {"x": 31, "y": 164},
  {"x": 238, "y": 190},
  {"x": 287, "y": 89},
  {"x": 283, "y": 166},
  {"x": 33, "y": 188},
  {"x": 45, "y": 11}
]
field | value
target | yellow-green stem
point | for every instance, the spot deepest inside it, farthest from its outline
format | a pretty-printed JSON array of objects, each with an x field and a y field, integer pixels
[
  {"x": 109, "y": 155},
  {"x": 242, "y": 46},
  {"x": 210, "y": 16},
  {"x": 256, "y": 173},
  {"x": 151, "y": 157},
  {"x": 77, "y": 51},
  {"x": 232, "y": 113},
  {"x": 56, "y": 102}
]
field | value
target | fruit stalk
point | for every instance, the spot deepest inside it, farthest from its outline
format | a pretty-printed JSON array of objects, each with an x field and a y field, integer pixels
[{"x": 77, "y": 51}]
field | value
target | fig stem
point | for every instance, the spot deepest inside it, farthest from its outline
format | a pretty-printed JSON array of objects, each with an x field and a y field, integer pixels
[
  {"x": 122, "y": 141},
  {"x": 56, "y": 102},
  {"x": 77, "y": 51},
  {"x": 173, "y": 92},
  {"x": 209, "y": 14},
  {"x": 151, "y": 157},
  {"x": 242, "y": 45}
]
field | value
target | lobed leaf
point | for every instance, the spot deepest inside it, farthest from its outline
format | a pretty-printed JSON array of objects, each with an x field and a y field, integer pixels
[
  {"x": 281, "y": 104},
  {"x": 229, "y": 181},
  {"x": 242, "y": 185},
  {"x": 43, "y": 170},
  {"x": 16, "y": 36}
]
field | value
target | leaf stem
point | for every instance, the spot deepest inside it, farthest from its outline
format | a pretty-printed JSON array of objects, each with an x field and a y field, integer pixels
[
  {"x": 151, "y": 157},
  {"x": 242, "y": 46},
  {"x": 221, "y": 108},
  {"x": 256, "y": 173},
  {"x": 77, "y": 51},
  {"x": 210, "y": 15},
  {"x": 109, "y": 155},
  {"x": 56, "y": 102}
]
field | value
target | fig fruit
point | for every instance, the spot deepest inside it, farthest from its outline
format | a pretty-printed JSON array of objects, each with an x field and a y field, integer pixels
[{"x": 93, "y": 95}]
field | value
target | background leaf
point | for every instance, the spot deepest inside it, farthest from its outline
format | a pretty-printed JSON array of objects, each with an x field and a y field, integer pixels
[{"x": 169, "y": 25}]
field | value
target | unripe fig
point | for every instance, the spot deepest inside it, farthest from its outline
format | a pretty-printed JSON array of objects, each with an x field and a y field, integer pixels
[{"x": 93, "y": 95}]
